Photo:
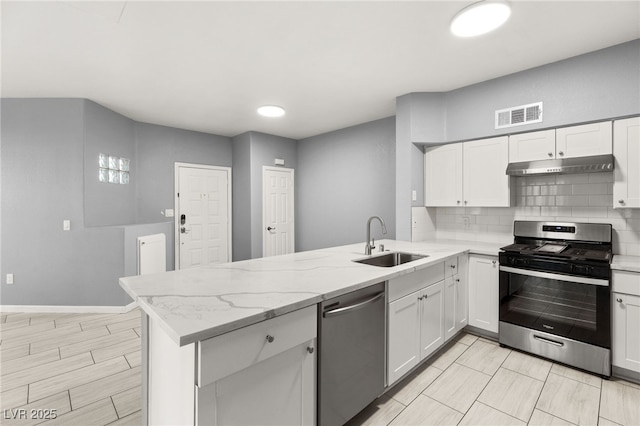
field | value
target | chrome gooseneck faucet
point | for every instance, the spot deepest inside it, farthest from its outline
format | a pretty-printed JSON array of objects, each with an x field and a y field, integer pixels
[{"x": 371, "y": 243}]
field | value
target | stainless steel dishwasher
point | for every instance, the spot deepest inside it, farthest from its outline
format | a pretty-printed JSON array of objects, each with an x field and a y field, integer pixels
[{"x": 351, "y": 349}]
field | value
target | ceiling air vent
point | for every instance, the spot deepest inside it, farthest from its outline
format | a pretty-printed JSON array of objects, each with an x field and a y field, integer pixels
[{"x": 517, "y": 116}]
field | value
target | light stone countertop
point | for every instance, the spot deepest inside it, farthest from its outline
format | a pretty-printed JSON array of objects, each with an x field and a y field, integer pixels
[
  {"x": 200, "y": 303},
  {"x": 626, "y": 263}
]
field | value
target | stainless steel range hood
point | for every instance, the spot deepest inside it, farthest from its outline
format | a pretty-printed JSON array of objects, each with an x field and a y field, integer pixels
[{"x": 593, "y": 164}]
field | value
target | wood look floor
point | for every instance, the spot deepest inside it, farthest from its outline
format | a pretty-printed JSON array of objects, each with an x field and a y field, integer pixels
[
  {"x": 473, "y": 381},
  {"x": 87, "y": 368}
]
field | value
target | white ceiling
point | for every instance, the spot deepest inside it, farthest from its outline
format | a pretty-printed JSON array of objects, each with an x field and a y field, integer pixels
[{"x": 208, "y": 65}]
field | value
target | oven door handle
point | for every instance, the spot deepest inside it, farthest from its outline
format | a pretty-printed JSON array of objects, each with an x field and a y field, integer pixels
[{"x": 559, "y": 277}]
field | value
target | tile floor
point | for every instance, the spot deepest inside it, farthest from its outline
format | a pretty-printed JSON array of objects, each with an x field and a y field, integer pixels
[
  {"x": 473, "y": 381},
  {"x": 87, "y": 368}
]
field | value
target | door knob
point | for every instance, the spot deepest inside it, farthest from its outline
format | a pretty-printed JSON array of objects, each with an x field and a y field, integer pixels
[
  {"x": 184, "y": 230},
  {"x": 270, "y": 338}
]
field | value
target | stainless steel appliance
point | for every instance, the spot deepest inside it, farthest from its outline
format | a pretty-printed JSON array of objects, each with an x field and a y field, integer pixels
[
  {"x": 555, "y": 293},
  {"x": 351, "y": 351}
]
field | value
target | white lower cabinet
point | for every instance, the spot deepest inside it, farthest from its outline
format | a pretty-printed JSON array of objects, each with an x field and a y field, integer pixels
[
  {"x": 483, "y": 292},
  {"x": 431, "y": 303},
  {"x": 625, "y": 299},
  {"x": 456, "y": 298},
  {"x": 262, "y": 374},
  {"x": 426, "y": 308},
  {"x": 276, "y": 391}
]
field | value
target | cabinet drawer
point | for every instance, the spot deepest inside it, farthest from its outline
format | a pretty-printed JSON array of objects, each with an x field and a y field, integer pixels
[
  {"x": 407, "y": 284},
  {"x": 229, "y": 353},
  {"x": 451, "y": 267},
  {"x": 626, "y": 282}
]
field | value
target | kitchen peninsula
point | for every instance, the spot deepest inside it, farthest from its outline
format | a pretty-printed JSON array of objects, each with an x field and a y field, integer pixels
[{"x": 207, "y": 330}]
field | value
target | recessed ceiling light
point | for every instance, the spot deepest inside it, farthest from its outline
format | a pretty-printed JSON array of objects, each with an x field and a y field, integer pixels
[
  {"x": 271, "y": 111},
  {"x": 480, "y": 18}
]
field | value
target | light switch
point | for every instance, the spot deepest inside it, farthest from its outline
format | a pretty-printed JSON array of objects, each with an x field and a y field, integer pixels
[
  {"x": 66, "y": 225},
  {"x": 9, "y": 278}
]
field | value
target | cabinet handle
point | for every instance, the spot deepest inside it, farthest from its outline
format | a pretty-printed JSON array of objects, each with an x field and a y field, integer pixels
[
  {"x": 458, "y": 202},
  {"x": 420, "y": 298},
  {"x": 494, "y": 262},
  {"x": 310, "y": 349},
  {"x": 561, "y": 153},
  {"x": 457, "y": 280},
  {"x": 453, "y": 266},
  {"x": 619, "y": 300},
  {"x": 465, "y": 201},
  {"x": 620, "y": 201},
  {"x": 270, "y": 338},
  {"x": 550, "y": 154}
]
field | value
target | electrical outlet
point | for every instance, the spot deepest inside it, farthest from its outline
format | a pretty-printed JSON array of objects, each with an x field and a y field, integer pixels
[{"x": 9, "y": 278}]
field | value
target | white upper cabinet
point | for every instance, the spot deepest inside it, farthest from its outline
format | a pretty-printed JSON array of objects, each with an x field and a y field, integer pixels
[
  {"x": 532, "y": 146},
  {"x": 585, "y": 140},
  {"x": 567, "y": 142},
  {"x": 443, "y": 171},
  {"x": 469, "y": 174},
  {"x": 485, "y": 183},
  {"x": 626, "y": 150}
]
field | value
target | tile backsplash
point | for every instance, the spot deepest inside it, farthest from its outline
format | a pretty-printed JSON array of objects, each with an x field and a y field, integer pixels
[{"x": 560, "y": 198}]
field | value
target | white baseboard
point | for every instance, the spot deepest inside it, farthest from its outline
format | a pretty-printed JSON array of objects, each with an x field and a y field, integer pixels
[{"x": 69, "y": 309}]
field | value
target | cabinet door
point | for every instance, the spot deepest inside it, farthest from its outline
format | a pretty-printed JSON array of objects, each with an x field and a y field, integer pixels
[
  {"x": 626, "y": 149},
  {"x": 585, "y": 140},
  {"x": 431, "y": 319},
  {"x": 485, "y": 183},
  {"x": 532, "y": 146},
  {"x": 450, "y": 307},
  {"x": 404, "y": 336},
  {"x": 443, "y": 175},
  {"x": 625, "y": 350},
  {"x": 279, "y": 390},
  {"x": 462, "y": 292},
  {"x": 483, "y": 292}
]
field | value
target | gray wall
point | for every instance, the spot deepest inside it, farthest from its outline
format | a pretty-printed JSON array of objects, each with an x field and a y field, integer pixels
[
  {"x": 110, "y": 133},
  {"x": 157, "y": 149},
  {"x": 344, "y": 177},
  {"x": 42, "y": 184},
  {"x": 598, "y": 85},
  {"x": 252, "y": 151},
  {"x": 241, "y": 197},
  {"x": 49, "y": 173}
]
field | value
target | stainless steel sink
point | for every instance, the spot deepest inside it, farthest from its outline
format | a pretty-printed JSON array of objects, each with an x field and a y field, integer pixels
[{"x": 394, "y": 258}]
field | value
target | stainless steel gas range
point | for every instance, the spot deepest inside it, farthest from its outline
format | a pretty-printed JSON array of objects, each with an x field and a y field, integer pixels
[{"x": 555, "y": 293}]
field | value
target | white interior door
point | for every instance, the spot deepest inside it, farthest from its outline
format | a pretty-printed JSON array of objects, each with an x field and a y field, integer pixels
[
  {"x": 203, "y": 215},
  {"x": 278, "y": 211}
]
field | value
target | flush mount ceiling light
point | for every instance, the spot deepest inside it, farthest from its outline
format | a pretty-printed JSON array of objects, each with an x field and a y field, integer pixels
[
  {"x": 271, "y": 111},
  {"x": 480, "y": 18}
]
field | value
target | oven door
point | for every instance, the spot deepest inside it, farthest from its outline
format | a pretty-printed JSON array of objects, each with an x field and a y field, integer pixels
[{"x": 577, "y": 308}]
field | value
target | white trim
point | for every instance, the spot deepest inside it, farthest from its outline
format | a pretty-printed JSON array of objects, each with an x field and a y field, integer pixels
[
  {"x": 176, "y": 201},
  {"x": 69, "y": 309},
  {"x": 293, "y": 201}
]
